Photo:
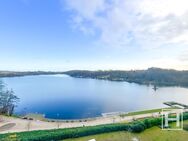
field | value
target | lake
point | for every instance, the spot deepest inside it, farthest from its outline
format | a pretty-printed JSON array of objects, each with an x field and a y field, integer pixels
[{"x": 64, "y": 97}]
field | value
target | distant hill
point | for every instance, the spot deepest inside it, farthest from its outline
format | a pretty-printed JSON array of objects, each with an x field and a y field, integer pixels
[{"x": 153, "y": 76}]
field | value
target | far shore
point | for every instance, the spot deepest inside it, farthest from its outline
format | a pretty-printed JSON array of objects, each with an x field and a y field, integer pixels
[
  {"x": 4, "y": 74},
  {"x": 156, "y": 77}
]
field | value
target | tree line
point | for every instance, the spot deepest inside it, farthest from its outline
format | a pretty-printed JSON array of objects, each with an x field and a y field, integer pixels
[{"x": 151, "y": 76}]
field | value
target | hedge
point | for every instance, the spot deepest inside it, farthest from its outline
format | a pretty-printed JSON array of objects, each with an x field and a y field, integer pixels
[{"x": 60, "y": 134}]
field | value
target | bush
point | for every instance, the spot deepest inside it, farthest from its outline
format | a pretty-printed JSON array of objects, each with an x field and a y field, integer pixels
[
  {"x": 152, "y": 122},
  {"x": 185, "y": 116},
  {"x": 138, "y": 127},
  {"x": 59, "y": 134}
]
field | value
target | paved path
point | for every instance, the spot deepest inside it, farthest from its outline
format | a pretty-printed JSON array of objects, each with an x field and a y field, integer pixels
[
  {"x": 11, "y": 124},
  {"x": 7, "y": 126}
]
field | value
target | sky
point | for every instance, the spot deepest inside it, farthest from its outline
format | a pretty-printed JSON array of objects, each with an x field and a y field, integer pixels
[{"x": 60, "y": 35}]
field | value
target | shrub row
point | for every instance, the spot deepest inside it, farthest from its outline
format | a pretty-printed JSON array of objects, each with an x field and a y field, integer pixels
[{"x": 60, "y": 134}]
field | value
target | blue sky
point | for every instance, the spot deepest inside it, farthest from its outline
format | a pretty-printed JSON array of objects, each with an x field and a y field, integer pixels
[{"x": 99, "y": 34}]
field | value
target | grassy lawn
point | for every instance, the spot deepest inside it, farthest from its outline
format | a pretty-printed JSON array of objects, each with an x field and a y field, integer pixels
[
  {"x": 152, "y": 134},
  {"x": 142, "y": 112}
]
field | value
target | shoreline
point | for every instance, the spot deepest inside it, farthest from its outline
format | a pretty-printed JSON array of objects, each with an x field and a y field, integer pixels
[
  {"x": 21, "y": 125},
  {"x": 15, "y": 124},
  {"x": 38, "y": 116}
]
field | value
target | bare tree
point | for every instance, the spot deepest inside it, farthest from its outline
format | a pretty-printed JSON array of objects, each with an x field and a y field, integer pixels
[{"x": 8, "y": 100}]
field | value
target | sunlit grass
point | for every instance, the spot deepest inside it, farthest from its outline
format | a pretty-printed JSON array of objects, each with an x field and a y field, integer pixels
[
  {"x": 152, "y": 134},
  {"x": 141, "y": 112}
]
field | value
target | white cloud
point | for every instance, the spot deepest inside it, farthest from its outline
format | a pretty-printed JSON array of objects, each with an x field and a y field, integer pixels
[
  {"x": 148, "y": 23},
  {"x": 183, "y": 56}
]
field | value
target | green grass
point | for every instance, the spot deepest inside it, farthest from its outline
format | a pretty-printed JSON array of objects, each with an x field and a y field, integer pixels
[
  {"x": 152, "y": 134},
  {"x": 141, "y": 112}
]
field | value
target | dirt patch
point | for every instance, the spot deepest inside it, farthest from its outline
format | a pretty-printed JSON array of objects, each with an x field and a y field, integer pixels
[{"x": 7, "y": 126}]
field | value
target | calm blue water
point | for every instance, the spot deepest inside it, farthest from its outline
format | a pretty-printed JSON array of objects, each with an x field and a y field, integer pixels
[{"x": 64, "y": 97}]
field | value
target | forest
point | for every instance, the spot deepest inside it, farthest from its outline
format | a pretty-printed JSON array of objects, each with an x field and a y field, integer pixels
[{"x": 151, "y": 76}]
